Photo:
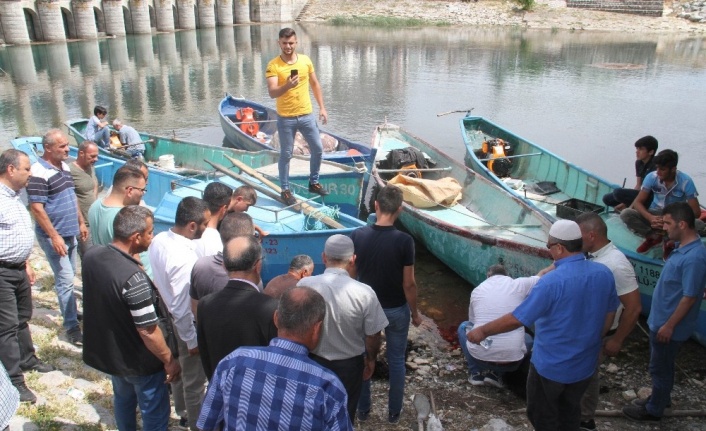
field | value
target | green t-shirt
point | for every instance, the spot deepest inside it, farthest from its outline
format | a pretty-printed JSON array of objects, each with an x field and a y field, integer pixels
[
  {"x": 84, "y": 186},
  {"x": 100, "y": 222}
]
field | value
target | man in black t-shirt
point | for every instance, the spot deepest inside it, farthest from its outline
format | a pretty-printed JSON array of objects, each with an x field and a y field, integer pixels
[
  {"x": 645, "y": 149},
  {"x": 121, "y": 335},
  {"x": 385, "y": 262}
]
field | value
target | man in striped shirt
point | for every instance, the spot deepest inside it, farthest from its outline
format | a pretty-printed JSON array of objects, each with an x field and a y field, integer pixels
[
  {"x": 279, "y": 386},
  {"x": 122, "y": 337},
  {"x": 59, "y": 221}
]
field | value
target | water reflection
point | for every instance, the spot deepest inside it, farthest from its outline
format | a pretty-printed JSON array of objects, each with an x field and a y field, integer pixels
[{"x": 540, "y": 84}]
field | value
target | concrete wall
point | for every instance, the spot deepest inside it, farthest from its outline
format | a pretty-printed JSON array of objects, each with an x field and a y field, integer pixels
[
  {"x": 14, "y": 28},
  {"x": 57, "y": 20},
  {"x": 637, "y": 7}
]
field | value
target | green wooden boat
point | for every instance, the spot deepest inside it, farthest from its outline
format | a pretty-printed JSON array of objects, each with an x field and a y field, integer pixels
[
  {"x": 485, "y": 227},
  {"x": 343, "y": 182},
  {"x": 560, "y": 189}
]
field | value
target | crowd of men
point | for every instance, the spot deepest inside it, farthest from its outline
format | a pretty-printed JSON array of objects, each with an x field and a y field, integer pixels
[{"x": 187, "y": 307}]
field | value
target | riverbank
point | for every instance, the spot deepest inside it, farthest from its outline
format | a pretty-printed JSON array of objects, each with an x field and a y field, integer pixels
[
  {"x": 77, "y": 397},
  {"x": 546, "y": 14}
]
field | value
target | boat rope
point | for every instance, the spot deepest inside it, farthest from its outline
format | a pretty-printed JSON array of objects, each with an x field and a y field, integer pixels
[
  {"x": 313, "y": 219},
  {"x": 476, "y": 217}
]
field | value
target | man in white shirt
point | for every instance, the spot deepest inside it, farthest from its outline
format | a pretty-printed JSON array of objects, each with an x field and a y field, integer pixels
[
  {"x": 218, "y": 197},
  {"x": 493, "y": 298},
  {"x": 596, "y": 244},
  {"x": 172, "y": 257}
]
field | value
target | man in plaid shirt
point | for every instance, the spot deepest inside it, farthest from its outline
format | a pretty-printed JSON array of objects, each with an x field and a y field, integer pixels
[{"x": 278, "y": 387}]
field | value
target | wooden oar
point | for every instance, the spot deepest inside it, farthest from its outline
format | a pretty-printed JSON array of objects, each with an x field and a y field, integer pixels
[{"x": 306, "y": 208}]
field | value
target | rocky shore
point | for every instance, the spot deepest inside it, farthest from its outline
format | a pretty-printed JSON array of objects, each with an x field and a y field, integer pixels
[
  {"x": 77, "y": 397},
  {"x": 546, "y": 14}
]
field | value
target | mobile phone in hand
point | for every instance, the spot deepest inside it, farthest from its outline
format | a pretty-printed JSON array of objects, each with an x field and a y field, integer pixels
[{"x": 294, "y": 72}]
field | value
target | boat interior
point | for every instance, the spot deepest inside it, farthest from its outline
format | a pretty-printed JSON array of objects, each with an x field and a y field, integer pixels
[{"x": 482, "y": 208}]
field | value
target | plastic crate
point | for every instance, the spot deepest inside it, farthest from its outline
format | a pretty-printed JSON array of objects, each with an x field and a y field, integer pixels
[{"x": 572, "y": 208}]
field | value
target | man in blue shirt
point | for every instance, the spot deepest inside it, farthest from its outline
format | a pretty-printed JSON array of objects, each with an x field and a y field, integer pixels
[
  {"x": 279, "y": 386},
  {"x": 572, "y": 308},
  {"x": 131, "y": 140},
  {"x": 675, "y": 308},
  {"x": 666, "y": 185}
]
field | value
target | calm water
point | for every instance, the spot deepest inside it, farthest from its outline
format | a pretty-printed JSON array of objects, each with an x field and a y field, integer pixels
[{"x": 548, "y": 87}]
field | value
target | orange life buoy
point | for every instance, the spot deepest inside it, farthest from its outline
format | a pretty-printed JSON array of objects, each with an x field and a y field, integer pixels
[{"x": 246, "y": 116}]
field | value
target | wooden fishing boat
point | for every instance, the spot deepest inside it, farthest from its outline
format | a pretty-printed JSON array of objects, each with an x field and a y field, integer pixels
[
  {"x": 485, "y": 227},
  {"x": 560, "y": 189},
  {"x": 159, "y": 182},
  {"x": 344, "y": 182},
  {"x": 291, "y": 231},
  {"x": 255, "y": 133}
]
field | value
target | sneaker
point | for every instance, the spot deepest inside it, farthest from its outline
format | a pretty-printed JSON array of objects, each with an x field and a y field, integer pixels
[
  {"x": 639, "y": 414},
  {"x": 394, "y": 418},
  {"x": 318, "y": 189},
  {"x": 40, "y": 367},
  {"x": 288, "y": 198},
  {"x": 363, "y": 416},
  {"x": 476, "y": 379},
  {"x": 26, "y": 396},
  {"x": 588, "y": 425},
  {"x": 75, "y": 336},
  {"x": 643, "y": 402},
  {"x": 648, "y": 243},
  {"x": 494, "y": 379}
]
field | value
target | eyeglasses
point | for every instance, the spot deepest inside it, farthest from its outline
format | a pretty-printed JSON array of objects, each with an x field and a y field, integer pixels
[
  {"x": 551, "y": 244},
  {"x": 143, "y": 189}
]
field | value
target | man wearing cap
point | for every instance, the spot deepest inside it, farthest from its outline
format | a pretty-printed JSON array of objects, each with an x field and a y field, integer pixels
[
  {"x": 354, "y": 319},
  {"x": 572, "y": 308}
]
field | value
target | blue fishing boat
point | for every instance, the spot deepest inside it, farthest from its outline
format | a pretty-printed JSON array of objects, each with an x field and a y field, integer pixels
[
  {"x": 483, "y": 227},
  {"x": 291, "y": 230},
  {"x": 160, "y": 181},
  {"x": 344, "y": 182},
  {"x": 560, "y": 189},
  {"x": 252, "y": 126}
]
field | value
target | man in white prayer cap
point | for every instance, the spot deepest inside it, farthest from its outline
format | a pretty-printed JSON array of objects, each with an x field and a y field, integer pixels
[{"x": 572, "y": 308}]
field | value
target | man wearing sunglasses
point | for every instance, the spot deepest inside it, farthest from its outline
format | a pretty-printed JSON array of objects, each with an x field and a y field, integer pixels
[{"x": 572, "y": 308}]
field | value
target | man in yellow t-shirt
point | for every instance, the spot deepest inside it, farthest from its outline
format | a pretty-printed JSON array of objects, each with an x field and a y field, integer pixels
[{"x": 288, "y": 78}]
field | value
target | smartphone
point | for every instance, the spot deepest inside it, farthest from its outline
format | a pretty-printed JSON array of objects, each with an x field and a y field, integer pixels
[{"x": 294, "y": 72}]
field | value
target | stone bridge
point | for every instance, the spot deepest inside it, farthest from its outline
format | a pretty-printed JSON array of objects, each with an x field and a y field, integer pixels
[{"x": 25, "y": 21}]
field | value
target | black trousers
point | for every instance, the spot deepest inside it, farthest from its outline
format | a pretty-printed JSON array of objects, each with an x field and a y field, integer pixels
[
  {"x": 16, "y": 348},
  {"x": 620, "y": 196},
  {"x": 554, "y": 406},
  {"x": 350, "y": 372}
]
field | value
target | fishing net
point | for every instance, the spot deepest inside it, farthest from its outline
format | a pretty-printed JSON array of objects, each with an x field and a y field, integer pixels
[{"x": 313, "y": 219}]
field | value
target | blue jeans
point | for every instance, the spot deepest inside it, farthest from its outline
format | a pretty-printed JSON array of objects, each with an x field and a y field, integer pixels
[
  {"x": 63, "y": 269},
  {"x": 662, "y": 359},
  {"x": 102, "y": 137},
  {"x": 287, "y": 128},
  {"x": 150, "y": 393},
  {"x": 396, "y": 339},
  {"x": 478, "y": 366}
]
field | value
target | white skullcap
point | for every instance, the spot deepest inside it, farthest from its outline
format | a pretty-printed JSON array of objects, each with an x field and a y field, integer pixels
[
  {"x": 565, "y": 230},
  {"x": 339, "y": 247}
]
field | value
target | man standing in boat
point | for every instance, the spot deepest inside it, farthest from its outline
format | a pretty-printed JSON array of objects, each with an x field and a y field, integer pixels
[{"x": 288, "y": 78}]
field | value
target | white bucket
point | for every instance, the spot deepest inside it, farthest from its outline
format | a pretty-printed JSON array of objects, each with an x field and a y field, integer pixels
[{"x": 166, "y": 161}]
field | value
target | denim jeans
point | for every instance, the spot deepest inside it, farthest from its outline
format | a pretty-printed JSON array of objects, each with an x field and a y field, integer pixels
[
  {"x": 479, "y": 366},
  {"x": 620, "y": 196},
  {"x": 102, "y": 137},
  {"x": 396, "y": 340},
  {"x": 150, "y": 393},
  {"x": 662, "y": 359},
  {"x": 287, "y": 128},
  {"x": 63, "y": 268}
]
